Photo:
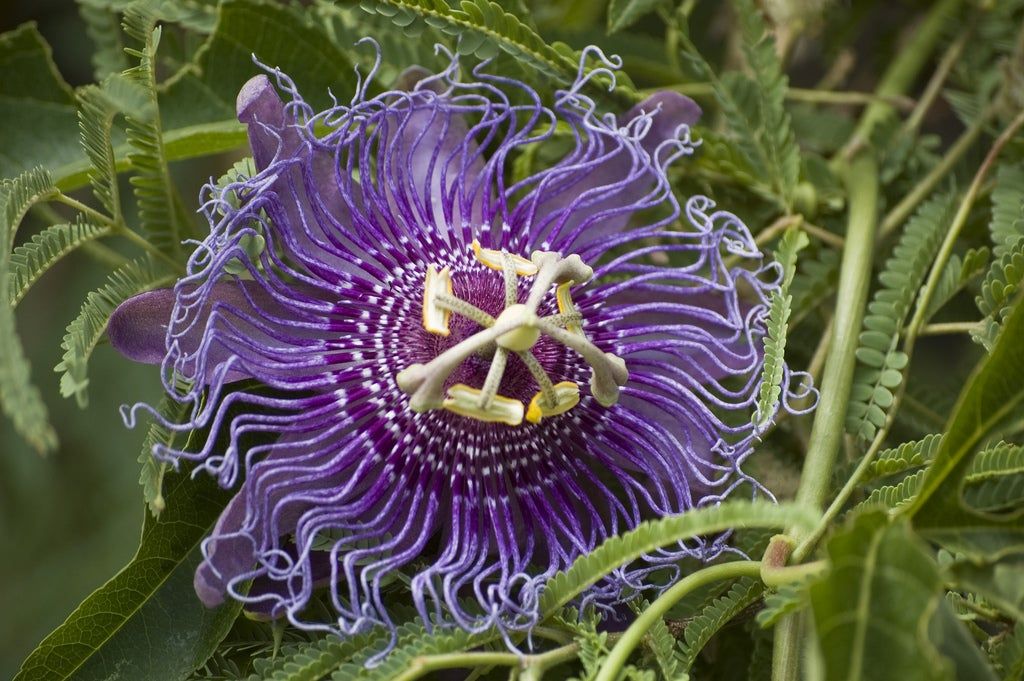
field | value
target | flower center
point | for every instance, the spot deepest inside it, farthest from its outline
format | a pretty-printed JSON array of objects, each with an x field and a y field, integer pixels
[{"x": 516, "y": 330}]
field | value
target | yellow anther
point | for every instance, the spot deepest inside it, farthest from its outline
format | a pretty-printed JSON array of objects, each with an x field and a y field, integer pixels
[
  {"x": 567, "y": 307},
  {"x": 493, "y": 259},
  {"x": 465, "y": 401},
  {"x": 567, "y": 396},
  {"x": 435, "y": 317}
]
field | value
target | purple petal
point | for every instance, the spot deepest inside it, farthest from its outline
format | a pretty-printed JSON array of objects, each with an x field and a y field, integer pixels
[{"x": 229, "y": 554}]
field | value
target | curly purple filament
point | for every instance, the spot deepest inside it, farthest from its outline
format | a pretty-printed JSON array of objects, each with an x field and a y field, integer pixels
[{"x": 346, "y": 484}]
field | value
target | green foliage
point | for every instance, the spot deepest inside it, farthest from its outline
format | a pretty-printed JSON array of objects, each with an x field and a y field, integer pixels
[
  {"x": 649, "y": 536},
  {"x": 880, "y": 363},
  {"x": 316, "y": 659},
  {"x": 153, "y": 471},
  {"x": 33, "y": 96},
  {"x": 993, "y": 394},
  {"x": 32, "y": 259},
  {"x": 870, "y": 625},
  {"x": 787, "y": 600},
  {"x": 114, "y": 629},
  {"x": 155, "y": 193},
  {"x": 20, "y": 400},
  {"x": 716, "y": 614},
  {"x": 103, "y": 24},
  {"x": 96, "y": 120},
  {"x": 754, "y": 106},
  {"x": 956, "y": 275},
  {"x": 86, "y": 330},
  {"x": 778, "y": 320},
  {"x": 624, "y": 13},
  {"x": 904, "y": 457},
  {"x": 1007, "y": 224}
]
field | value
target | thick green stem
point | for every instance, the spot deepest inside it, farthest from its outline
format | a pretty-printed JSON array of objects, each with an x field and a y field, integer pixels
[
  {"x": 827, "y": 431},
  {"x": 632, "y": 637},
  {"x": 837, "y": 379}
]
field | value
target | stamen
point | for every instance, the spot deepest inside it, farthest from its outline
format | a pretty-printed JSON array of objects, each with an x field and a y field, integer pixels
[
  {"x": 608, "y": 370},
  {"x": 539, "y": 375},
  {"x": 436, "y": 317},
  {"x": 508, "y": 269},
  {"x": 492, "y": 258},
  {"x": 567, "y": 396},
  {"x": 465, "y": 401},
  {"x": 464, "y": 309},
  {"x": 567, "y": 308},
  {"x": 494, "y": 375}
]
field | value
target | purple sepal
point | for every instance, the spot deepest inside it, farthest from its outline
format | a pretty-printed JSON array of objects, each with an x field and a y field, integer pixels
[{"x": 229, "y": 554}]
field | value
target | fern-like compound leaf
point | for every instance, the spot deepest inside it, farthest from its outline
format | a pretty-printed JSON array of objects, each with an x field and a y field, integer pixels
[
  {"x": 86, "y": 330},
  {"x": 715, "y": 615},
  {"x": 19, "y": 398},
  {"x": 32, "y": 259},
  {"x": 778, "y": 321},
  {"x": 880, "y": 365},
  {"x": 161, "y": 216}
]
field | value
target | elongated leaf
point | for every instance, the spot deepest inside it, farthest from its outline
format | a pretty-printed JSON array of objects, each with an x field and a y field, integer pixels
[
  {"x": 33, "y": 96},
  {"x": 19, "y": 398},
  {"x": 778, "y": 324},
  {"x": 96, "y": 121},
  {"x": 31, "y": 260},
  {"x": 87, "y": 329},
  {"x": 624, "y": 13},
  {"x": 649, "y": 536},
  {"x": 872, "y": 608},
  {"x": 993, "y": 393},
  {"x": 146, "y": 622}
]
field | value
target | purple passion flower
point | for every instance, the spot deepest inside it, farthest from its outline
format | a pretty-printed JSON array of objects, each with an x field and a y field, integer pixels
[{"x": 457, "y": 373}]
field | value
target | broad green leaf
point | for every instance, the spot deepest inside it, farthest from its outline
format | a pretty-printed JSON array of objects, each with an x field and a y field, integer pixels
[
  {"x": 872, "y": 608},
  {"x": 994, "y": 392},
  {"x": 280, "y": 37},
  {"x": 624, "y": 13},
  {"x": 34, "y": 97},
  {"x": 146, "y": 622},
  {"x": 649, "y": 536}
]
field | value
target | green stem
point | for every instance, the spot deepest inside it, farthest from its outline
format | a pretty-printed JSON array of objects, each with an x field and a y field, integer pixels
[
  {"x": 913, "y": 330},
  {"x": 632, "y": 637},
  {"x": 827, "y": 430},
  {"x": 119, "y": 229},
  {"x": 902, "y": 210},
  {"x": 901, "y": 73},
  {"x": 851, "y": 297},
  {"x": 934, "y": 87},
  {"x": 948, "y": 328},
  {"x": 532, "y": 666}
]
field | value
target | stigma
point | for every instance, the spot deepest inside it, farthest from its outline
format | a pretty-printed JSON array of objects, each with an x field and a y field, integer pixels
[{"x": 516, "y": 330}]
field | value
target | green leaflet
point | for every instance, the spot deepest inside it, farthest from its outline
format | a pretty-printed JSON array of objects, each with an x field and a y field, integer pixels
[
  {"x": 87, "y": 329},
  {"x": 96, "y": 121},
  {"x": 32, "y": 259},
  {"x": 778, "y": 320},
  {"x": 624, "y": 13},
  {"x": 1007, "y": 223},
  {"x": 113, "y": 629},
  {"x": 629, "y": 546},
  {"x": 957, "y": 274},
  {"x": 19, "y": 398},
  {"x": 786, "y": 600},
  {"x": 153, "y": 471},
  {"x": 413, "y": 641},
  {"x": 880, "y": 365},
  {"x": 899, "y": 459},
  {"x": 103, "y": 24},
  {"x": 872, "y": 608},
  {"x": 716, "y": 614}
]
